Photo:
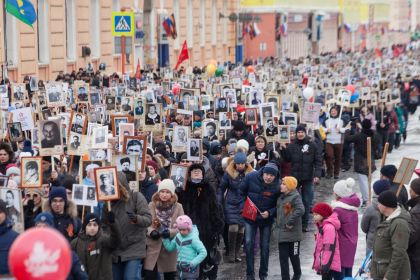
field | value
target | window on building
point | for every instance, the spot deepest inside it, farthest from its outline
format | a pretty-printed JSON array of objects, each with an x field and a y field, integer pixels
[
  {"x": 43, "y": 32},
  {"x": 176, "y": 15},
  {"x": 202, "y": 23},
  {"x": 71, "y": 30},
  {"x": 214, "y": 22},
  {"x": 190, "y": 25},
  {"x": 11, "y": 41},
  {"x": 95, "y": 28}
]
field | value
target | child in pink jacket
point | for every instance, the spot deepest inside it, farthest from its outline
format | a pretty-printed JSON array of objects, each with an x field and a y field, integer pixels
[{"x": 327, "y": 249}]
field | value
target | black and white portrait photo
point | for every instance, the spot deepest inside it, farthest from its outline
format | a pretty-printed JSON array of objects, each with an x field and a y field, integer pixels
[
  {"x": 75, "y": 140},
  {"x": 106, "y": 183},
  {"x": 221, "y": 105},
  {"x": 19, "y": 92},
  {"x": 210, "y": 130},
  {"x": 126, "y": 104},
  {"x": 110, "y": 103},
  {"x": 14, "y": 208},
  {"x": 138, "y": 107},
  {"x": 181, "y": 134},
  {"x": 100, "y": 137},
  {"x": 194, "y": 150},
  {"x": 270, "y": 128},
  {"x": 50, "y": 134},
  {"x": 251, "y": 116},
  {"x": 284, "y": 134},
  {"x": 127, "y": 165},
  {"x": 78, "y": 123},
  {"x": 205, "y": 102},
  {"x": 178, "y": 174},
  {"x": 33, "y": 83},
  {"x": 15, "y": 132},
  {"x": 31, "y": 172},
  {"x": 84, "y": 195},
  {"x": 152, "y": 114},
  {"x": 82, "y": 93},
  {"x": 225, "y": 122}
]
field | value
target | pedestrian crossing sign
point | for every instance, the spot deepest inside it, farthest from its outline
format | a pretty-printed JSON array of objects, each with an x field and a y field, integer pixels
[{"x": 122, "y": 24}]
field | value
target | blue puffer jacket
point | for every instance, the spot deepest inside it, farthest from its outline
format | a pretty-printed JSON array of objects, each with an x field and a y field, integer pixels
[
  {"x": 7, "y": 237},
  {"x": 229, "y": 193},
  {"x": 263, "y": 195}
]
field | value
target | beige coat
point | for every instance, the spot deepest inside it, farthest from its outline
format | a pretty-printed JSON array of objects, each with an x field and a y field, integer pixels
[{"x": 155, "y": 251}]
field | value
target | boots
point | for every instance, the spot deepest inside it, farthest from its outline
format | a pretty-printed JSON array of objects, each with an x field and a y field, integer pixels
[
  {"x": 239, "y": 239},
  {"x": 232, "y": 237}
]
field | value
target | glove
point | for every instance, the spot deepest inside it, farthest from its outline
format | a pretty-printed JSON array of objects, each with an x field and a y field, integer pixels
[
  {"x": 132, "y": 217},
  {"x": 154, "y": 235},
  {"x": 165, "y": 233},
  {"x": 111, "y": 217}
]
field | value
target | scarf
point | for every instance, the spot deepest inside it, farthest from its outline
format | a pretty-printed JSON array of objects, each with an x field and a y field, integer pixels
[{"x": 164, "y": 212}]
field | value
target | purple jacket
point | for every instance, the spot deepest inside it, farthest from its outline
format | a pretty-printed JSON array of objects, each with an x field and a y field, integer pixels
[{"x": 346, "y": 209}]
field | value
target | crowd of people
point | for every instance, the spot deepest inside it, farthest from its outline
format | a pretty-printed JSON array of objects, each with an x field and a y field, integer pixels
[{"x": 194, "y": 192}]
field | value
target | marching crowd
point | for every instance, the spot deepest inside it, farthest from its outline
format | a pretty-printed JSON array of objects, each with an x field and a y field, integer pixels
[{"x": 244, "y": 190}]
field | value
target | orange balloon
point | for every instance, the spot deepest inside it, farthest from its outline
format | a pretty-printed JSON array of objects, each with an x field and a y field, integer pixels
[{"x": 250, "y": 69}]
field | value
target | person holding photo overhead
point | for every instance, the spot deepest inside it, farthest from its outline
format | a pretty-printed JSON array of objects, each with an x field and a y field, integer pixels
[{"x": 152, "y": 116}]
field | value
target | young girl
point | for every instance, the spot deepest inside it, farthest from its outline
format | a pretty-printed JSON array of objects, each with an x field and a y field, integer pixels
[
  {"x": 327, "y": 249},
  {"x": 191, "y": 251},
  {"x": 164, "y": 208}
]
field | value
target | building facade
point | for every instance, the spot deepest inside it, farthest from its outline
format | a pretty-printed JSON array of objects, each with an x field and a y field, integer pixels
[{"x": 64, "y": 27}]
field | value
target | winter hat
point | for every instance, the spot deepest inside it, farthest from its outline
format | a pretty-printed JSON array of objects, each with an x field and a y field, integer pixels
[
  {"x": 44, "y": 217},
  {"x": 195, "y": 166},
  {"x": 322, "y": 209},
  {"x": 300, "y": 128},
  {"x": 271, "y": 168},
  {"x": 57, "y": 192},
  {"x": 388, "y": 199},
  {"x": 3, "y": 207},
  {"x": 389, "y": 171},
  {"x": 239, "y": 158},
  {"x": 153, "y": 164},
  {"x": 27, "y": 147},
  {"x": 90, "y": 217},
  {"x": 184, "y": 222},
  {"x": 38, "y": 191},
  {"x": 415, "y": 186},
  {"x": 366, "y": 124},
  {"x": 239, "y": 126},
  {"x": 381, "y": 186},
  {"x": 344, "y": 188},
  {"x": 225, "y": 162},
  {"x": 243, "y": 144},
  {"x": 215, "y": 148},
  {"x": 13, "y": 169},
  {"x": 290, "y": 182},
  {"x": 167, "y": 184}
]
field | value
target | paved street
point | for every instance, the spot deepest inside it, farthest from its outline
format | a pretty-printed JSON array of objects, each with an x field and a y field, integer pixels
[{"x": 324, "y": 193}]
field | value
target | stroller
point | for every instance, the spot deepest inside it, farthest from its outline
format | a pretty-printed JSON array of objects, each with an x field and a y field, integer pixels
[{"x": 363, "y": 272}]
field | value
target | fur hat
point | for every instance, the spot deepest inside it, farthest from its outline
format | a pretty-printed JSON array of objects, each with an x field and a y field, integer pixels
[
  {"x": 389, "y": 171},
  {"x": 167, "y": 184},
  {"x": 239, "y": 158},
  {"x": 243, "y": 144},
  {"x": 344, "y": 188},
  {"x": 388, "y": 199},
  {"x": 44, "y": 217},
  {"x": 184, "y": 222},
  {"x": 271, "y": 168},
  {"x": 13, "y": 169},
  {"x": 322, "y": 209},
  {"x": 381, "y": 186},
  {"x": 195, "y": 166},
  {"x": 290, "y": 182},
  {"x": 415, "y": 186}
]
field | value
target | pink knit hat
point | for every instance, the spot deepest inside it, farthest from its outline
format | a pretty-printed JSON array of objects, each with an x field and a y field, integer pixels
[{"x": 184, "y": 222}]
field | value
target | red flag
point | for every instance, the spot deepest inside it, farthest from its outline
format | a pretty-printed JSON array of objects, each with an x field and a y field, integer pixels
[
  {"x": 183, "y": 55},
  {"x": 138, "y": 72},
  {"x": 250, "y": 210}
]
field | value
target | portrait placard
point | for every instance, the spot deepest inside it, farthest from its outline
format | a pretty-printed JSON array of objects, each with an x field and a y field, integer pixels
[
  {"x": 14, "y": 208},
  {"x": 178, "y": 174},
  {"x": 50, "y": 136},
  {"x": 84, "y": 195},
  {"x": 31, "y": 172},
  {"x": 107, "y": 183}
]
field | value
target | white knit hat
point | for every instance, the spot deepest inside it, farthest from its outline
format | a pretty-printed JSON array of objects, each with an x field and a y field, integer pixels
[
  {"x": 167, "y": 184},
  {"x": 243, "y": 144},
  {"x": 13, "y": 170},
  {"x": 344, "y": 188}
]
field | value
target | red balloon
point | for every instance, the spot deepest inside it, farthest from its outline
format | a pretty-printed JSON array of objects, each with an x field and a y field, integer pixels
[
  {"x": 250, "y": 69},
  {"x": 351, "y": 88},
  {"x": 176, "y": 89},
  {"x": 40, "y": 253}
]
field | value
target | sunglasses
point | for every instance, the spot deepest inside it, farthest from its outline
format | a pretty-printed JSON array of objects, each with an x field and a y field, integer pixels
[{"x": 32, "y": 195}]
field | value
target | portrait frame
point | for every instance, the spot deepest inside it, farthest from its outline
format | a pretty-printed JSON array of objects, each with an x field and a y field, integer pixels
[
  {"x": 216, "y": 129},
  {"x": 11, "y": 127},
  {"x": 79, "y": 195},
  {"x": 130, "y": 104},
  {"x": 116, "y": 119},
  {"x": 179, "y": 184},
  {"x": 55, "y": 94},
  {"x": 113, "y": 186},
  {"x": 100, "y": 137},
  {"x": 289, "y": 118},
  {"x": 150, "y": 120},
  {"x": 178, "y": 145},
  {"x": 19, "y": 92},
  {"x": 55, "y": 145},
  {"x": 74, "y": 126},
  {"x": 251, "y": 116},
  {"x": 227, "y": 122},
  {"x": 82, "y": 167},
  {"x": 31, "y": 163},
  {"x": 282, "y": 139},
  {"x": 140, "y": 112},
  {"x": 142, "y": 154},
  {"x": 110, "y": 102},
  {"x": 16, "y": 213},
  {"x": 125, "y": 127},
  {"x": 192, "y": 156},
  {"x": 82, "y": 88},
  {"x": 133, "y": 165}
]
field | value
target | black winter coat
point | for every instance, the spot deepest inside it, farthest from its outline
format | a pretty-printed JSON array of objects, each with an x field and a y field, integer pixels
[
  {"x": 360, "y": 150},
  {"x": 306, "y": 159}
]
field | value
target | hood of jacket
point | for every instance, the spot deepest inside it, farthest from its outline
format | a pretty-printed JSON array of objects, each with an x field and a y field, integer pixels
[
  {"x": 349, "y": 203},
  {"x": 333, "y": 220},
  {"x": 70, "y": 209},
  {"x": 230, "y": 169},
  {"x": 399, "y": 213}
]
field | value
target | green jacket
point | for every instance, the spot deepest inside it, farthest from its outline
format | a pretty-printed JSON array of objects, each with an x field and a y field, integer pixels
[
  {"x": 290, "y": 210},
  {"x": 190, "y": 248},
  {"x": 390, "y": 258}
]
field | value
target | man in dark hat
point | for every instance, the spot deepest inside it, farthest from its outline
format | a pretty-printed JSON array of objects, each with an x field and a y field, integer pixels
[
  {"x": 306, "y": 161},
  {"x": 388, "y": 172},
  {"x": 239, "y": 132}
]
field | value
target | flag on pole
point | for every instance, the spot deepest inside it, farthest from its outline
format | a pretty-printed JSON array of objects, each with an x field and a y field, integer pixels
[
  {"x": 138, "y": 70},
  {"x": 23, "y": 10},
  {"x": 183, "y": 55}
]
